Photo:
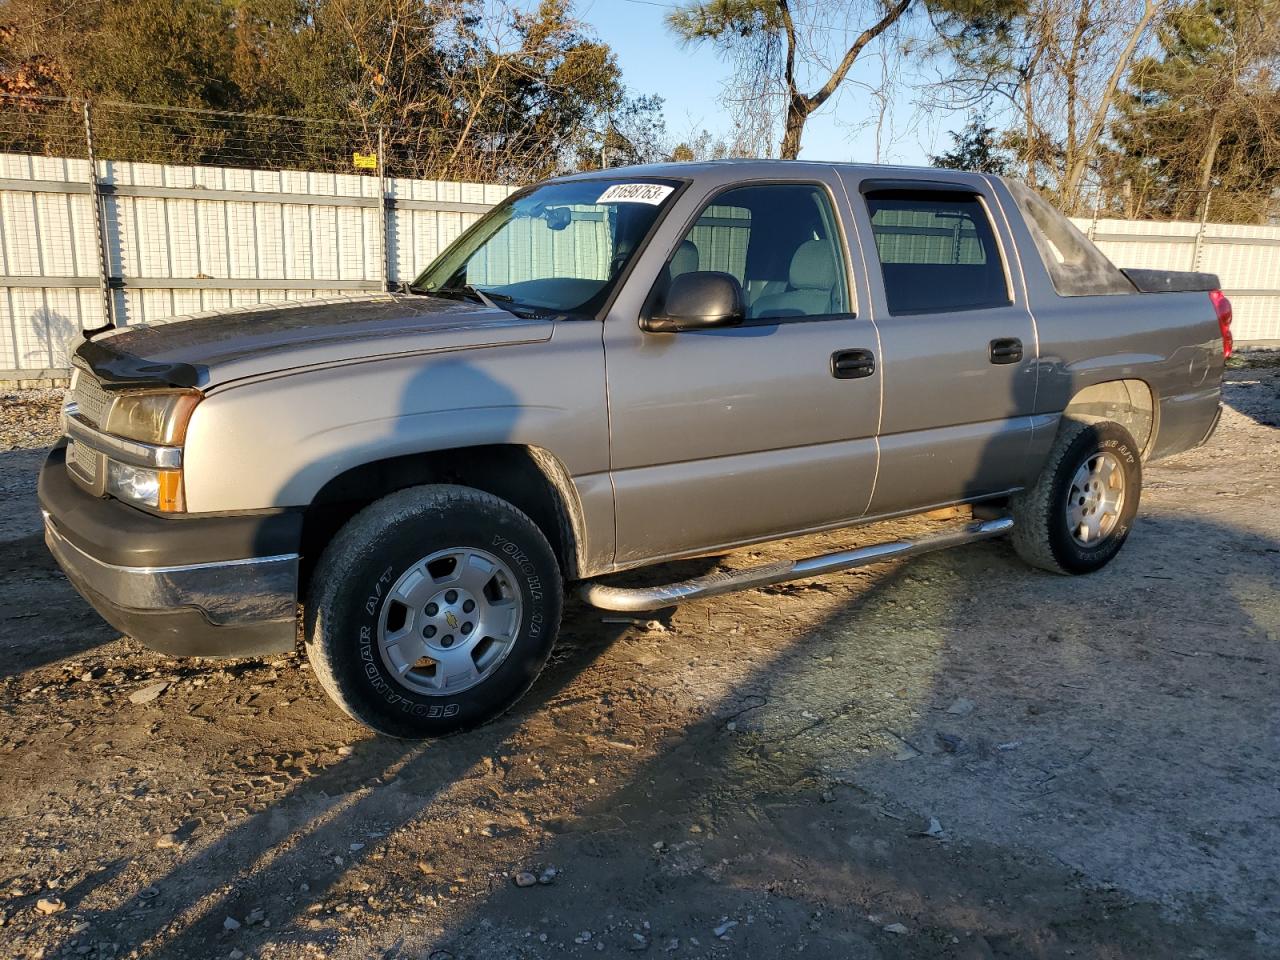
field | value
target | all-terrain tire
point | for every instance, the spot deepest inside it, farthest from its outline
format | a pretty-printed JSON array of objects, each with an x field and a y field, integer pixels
[
  {"x": 383, "y": 548},
  {"x": 1043, "y": 534}
]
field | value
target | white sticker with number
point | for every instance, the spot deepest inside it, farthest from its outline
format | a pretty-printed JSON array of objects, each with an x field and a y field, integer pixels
[{"x": 651, "y": 193}]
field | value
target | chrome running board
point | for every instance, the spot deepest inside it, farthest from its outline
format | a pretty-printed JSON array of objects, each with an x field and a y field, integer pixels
[{"x": 632, "y": 599}]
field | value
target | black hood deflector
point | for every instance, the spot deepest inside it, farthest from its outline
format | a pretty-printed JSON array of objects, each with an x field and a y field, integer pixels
[{"x": 123, "y": 371}]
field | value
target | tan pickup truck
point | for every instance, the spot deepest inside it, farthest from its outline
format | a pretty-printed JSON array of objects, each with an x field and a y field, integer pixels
[{"x": 608, "y": 371}]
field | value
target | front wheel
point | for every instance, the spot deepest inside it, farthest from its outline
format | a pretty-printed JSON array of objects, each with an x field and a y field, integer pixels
[
  {"x": 432, "y": 611},
  {"x": 1078, "y": 514}
]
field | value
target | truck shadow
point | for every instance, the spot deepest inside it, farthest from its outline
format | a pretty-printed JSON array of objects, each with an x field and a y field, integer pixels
[
  {"x": 42, "y": 618},
  {"x": 807, "y": 788},
  {"x": 1254, "y": 391}
]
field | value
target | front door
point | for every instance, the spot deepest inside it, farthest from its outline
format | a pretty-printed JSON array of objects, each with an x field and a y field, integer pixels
[
  {"x": 959, "y": 344},
  {"x": 725, "y": 435}
]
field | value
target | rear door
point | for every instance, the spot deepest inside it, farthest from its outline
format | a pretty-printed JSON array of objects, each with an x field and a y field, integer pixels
[
  {"x": 731, "y": 434},
  {"x": 958, "y": 342}
]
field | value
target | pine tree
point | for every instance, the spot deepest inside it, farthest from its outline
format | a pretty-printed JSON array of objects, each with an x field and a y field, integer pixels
[{"x": 1200, "y": 119}]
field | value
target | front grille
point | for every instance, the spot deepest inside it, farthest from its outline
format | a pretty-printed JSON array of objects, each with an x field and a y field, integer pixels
[
  {"x": 90, "y": 398},
  {"x": 82, "y": 460}
]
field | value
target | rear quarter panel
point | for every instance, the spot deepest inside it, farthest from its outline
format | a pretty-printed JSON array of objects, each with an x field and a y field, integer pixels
[{"x": 1169, "y": 341}]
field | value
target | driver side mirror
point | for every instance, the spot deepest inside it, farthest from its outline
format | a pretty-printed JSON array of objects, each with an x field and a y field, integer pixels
[{"x": 699, "y": 301}]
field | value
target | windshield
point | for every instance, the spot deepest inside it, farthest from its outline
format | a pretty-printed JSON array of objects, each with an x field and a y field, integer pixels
[{"x": 559, "y": 247}]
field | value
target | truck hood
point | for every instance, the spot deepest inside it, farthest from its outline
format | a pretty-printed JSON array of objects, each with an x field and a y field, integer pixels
[{"x": 205, "y": 350}]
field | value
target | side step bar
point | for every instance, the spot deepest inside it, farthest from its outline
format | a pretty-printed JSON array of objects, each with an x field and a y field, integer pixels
[{"x": 632, "y": 599}]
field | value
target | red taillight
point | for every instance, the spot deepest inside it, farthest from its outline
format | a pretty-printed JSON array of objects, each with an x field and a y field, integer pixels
[{"x": 1222, "y": 307}]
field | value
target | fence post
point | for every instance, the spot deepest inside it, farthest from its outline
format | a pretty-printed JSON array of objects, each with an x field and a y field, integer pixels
[
  {"x": 383, "y": 217},
  {"x": 1204, "y": 218},
  {"x": 99, "y": 222}
]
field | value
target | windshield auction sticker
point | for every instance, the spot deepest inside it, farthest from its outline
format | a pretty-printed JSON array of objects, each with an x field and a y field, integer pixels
[{"x": 651, "y": 193}]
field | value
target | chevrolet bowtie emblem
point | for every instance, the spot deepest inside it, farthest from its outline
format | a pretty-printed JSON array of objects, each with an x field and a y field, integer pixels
[{"x": 453, "y": 621}]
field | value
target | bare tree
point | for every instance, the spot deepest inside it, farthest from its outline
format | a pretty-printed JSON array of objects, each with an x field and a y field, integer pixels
[
  {"x": 791, "y": 57},
  {"x": 1055, "y": 65},
  {"x": 1081, "y": 148}
]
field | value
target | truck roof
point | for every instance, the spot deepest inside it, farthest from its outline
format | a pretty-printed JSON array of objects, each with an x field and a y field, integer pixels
[{"x": 754, "y": 168}]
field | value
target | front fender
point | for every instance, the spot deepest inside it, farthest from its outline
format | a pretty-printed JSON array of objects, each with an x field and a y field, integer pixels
[{"x": 276, "y": 442}]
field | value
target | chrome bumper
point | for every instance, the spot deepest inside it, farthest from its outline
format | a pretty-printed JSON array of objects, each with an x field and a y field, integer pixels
[{"x": 228, "y": 608}]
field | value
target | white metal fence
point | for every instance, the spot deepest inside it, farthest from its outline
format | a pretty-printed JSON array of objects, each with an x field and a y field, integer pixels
[
  {"x": 1245, "y": 258},
  {"x": 178, "y": 240}
]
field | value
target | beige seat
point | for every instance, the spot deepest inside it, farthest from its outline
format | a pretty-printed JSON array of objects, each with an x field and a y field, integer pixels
[
  {"x": 809, "y": 285},
  {"x": 685, "y": 259}
]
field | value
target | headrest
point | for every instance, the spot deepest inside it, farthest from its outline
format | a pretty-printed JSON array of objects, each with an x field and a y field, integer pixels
[
  {"x": 685, "y": 259},
  {"x": 812, "y": 267}
]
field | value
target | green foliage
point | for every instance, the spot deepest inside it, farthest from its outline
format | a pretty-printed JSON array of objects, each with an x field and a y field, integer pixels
[
  {"x": 977, "y": 28},
  {"x": 977, "y": 148},
  {"x": 725, "y": 20},
  {"x": 635, "y": 133},
  {"x": 460, "y": 88},
  {"x": 1200, "y": 118}
]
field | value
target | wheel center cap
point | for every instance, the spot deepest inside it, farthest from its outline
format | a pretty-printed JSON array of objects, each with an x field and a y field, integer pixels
[
  {"x": 1092, "y": 495},
  {"x": 449, "y": 618}
]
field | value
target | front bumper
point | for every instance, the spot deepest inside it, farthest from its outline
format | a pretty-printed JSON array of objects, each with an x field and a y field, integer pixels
[{"x": 214, "y": 607}]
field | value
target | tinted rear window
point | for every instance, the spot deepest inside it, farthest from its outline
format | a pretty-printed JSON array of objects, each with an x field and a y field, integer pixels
[{"x": 937, "y": 251}]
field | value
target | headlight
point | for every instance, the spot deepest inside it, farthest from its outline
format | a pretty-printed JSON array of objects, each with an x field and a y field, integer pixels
[
  {"x": 160, "y": 489},
  {"x": 153, "y": 417}
]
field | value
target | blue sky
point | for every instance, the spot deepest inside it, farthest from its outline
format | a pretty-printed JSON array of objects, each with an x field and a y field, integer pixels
[{"x": 690, "y": 80}]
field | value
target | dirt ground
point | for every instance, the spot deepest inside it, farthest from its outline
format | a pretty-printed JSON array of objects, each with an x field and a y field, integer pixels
[{"x": 953, "y": 757}]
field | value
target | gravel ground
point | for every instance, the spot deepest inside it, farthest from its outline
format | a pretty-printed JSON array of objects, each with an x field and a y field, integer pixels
[
  {"x": 29, "y": 419},
  {"x": 952, "y": 757},
  {"x": 28, "y": 424}
]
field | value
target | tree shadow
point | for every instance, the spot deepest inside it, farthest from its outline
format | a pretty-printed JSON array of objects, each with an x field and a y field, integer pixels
[
  {"x": 307, "y": 829},
  {"x": 796, "y": 800},
  {"x": 807, "y": 789},
  {"x": 55, "y": 332}
]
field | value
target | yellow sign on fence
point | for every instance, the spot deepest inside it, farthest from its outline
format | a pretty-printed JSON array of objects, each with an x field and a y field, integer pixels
[{"x": 364, "y": 161}]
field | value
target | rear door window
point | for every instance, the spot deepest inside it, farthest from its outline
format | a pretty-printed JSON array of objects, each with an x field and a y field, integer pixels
[{"x": 937, "y": 251}]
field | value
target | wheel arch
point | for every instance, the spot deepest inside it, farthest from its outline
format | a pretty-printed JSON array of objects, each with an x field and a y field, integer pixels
[
  {"x": 1128, "y": 402},
  {"x": 530, "y": 478}
]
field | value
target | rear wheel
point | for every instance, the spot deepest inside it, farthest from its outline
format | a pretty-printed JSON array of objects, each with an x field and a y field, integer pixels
[
  {"x": 1078, "y": 514},
  {"x": 432, "y": 611}
]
